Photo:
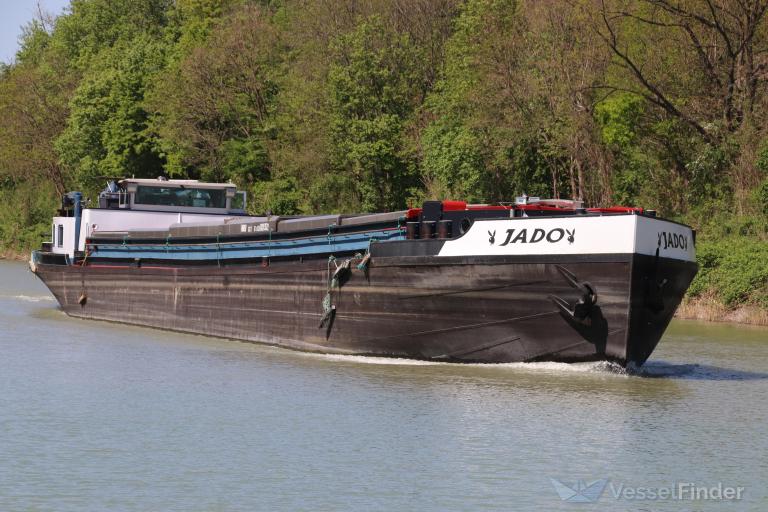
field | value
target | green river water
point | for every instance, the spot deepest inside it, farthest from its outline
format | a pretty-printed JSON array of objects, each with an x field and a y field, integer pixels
[{"x": 98, "y": 416}]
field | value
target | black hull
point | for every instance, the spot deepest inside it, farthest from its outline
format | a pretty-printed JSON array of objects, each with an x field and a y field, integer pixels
[{"x": 495, "y": 309}]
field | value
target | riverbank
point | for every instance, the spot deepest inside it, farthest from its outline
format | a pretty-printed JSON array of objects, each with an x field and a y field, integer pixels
[
  {"x": 732, "y": 282},
  {"x": 710, "y": 310},
  {"x": 10, "y": 255}
]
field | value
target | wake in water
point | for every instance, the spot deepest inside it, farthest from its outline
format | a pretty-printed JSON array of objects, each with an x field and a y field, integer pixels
[
  {"x": 543, "y": 366},
  {"x": 651, "y": 369}
]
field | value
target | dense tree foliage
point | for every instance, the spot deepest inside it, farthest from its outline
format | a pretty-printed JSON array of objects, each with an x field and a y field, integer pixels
[{"x": 366, "y": 105}]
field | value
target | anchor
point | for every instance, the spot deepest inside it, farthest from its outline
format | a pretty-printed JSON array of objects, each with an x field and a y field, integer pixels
[
  {"x": 578, "y": 312},
  {"x": 654, "y": 288}
]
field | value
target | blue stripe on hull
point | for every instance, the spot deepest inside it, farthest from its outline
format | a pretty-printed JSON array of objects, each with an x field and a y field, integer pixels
[{"x": 242, "y": 250}]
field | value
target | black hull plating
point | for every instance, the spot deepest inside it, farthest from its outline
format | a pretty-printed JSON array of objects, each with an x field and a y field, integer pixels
[{"x": 467, "y": 309}]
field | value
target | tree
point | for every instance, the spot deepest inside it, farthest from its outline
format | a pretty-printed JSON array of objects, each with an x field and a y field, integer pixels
[
  {"x": 371, "y": 87},
  {"x": 34, "y": 96},
  {"x": 107, "y": 133},
  {"x": 494, "y": 131},
  {"x": 95, "y": 25},
  {"x": 212, "y": 108},
  {"x": 720, "y": 45}
]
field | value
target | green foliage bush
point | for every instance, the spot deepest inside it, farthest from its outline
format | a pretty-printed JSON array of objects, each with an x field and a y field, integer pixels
[
  {"x": 453, "y": 162},
  {"x": 25, "y": 215},
  {"x": 280, "y": 196},
  {"x": 762, "y": 197},
  {"x": 734, "y": 270},
  {"x": 619, "y": 119},
  {"x": 762, "y": 158}
]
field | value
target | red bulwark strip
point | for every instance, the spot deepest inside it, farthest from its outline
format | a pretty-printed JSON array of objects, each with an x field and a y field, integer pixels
[{"x": 452, "y": 206}]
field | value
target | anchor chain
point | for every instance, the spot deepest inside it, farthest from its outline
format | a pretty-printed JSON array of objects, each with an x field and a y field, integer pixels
[{"x": 336, "y": 280}]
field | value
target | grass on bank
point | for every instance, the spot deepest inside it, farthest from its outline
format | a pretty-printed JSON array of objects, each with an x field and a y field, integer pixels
[{"x": 732, "y": 270}]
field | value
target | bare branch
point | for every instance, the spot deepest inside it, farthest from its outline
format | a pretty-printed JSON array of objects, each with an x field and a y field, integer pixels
[
  {"x": 651, "y": 92},
  {"x": 703, "y": 57}
]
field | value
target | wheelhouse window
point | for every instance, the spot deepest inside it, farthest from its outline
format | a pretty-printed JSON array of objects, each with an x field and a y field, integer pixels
[
  {"x": 190, "y": 197},
  {"x": 60, "y": 236},
  {"x": 238, "y": 202}
]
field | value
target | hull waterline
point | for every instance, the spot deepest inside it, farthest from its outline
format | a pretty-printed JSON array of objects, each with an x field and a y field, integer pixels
[{"x": 491, "y": 310}]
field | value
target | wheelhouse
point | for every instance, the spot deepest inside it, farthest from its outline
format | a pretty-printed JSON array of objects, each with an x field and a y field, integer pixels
[{"x": 189, "y": 196}]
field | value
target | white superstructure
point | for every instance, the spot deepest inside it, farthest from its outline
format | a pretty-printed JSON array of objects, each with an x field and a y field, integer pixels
[{"x": 146, "y": 204}]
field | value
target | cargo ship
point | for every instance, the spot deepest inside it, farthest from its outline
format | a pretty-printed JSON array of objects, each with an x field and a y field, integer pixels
[{"x": 529, "y": 280}]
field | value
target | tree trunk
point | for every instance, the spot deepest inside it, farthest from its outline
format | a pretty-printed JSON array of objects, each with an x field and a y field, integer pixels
[{"x": 580, "y": 172}]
